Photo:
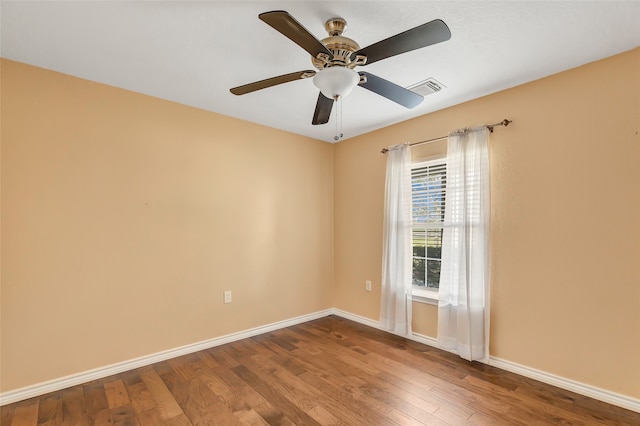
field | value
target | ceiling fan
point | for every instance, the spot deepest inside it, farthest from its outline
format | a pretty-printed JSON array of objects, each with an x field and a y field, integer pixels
[{"x": 336, "y": 56}]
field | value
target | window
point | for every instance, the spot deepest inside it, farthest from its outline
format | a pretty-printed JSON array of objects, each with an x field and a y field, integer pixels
[{"x": 428, "y": 193}]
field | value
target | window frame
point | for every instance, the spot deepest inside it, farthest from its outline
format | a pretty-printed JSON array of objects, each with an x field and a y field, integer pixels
[{"x": 422, "y": 294}]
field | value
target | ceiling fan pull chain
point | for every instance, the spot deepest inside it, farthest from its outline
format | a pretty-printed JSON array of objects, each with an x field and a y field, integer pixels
[
  {"x": 341, "y": 120},
  {"x": 336, "y": 98},
  {"x": 338, "y": 101}
]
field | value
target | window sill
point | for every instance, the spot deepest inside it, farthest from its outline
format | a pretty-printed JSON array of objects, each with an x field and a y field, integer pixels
[{"x": 422, "y": 295}]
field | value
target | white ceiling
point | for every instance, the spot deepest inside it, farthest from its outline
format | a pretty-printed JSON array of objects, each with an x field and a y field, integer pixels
[{"x": 194, "y": 52}]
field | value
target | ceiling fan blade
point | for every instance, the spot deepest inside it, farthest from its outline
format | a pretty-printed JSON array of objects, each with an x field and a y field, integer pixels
[
  {"x": 391, "y": 91},
  {"x": 287, "y": 25},
  {"x": 273, "y": 81},
  {"x": 323, "y": 110},
  {"x": 424, "y": 35}
]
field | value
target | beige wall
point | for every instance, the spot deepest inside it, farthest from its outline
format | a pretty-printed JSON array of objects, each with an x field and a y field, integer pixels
[
  {"x": 565, "y": 190},
  {"x": 125, "y": 217}
]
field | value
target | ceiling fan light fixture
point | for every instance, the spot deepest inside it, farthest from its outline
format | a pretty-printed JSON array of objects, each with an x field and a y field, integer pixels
[{"x": 336, "y": 81}]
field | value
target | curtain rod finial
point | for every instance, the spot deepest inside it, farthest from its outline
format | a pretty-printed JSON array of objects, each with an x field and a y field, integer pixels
[{"x": 504, "y": 123}]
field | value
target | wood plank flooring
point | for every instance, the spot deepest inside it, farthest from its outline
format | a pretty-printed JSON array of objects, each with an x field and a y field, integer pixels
[{"x": 329, "y": 371}]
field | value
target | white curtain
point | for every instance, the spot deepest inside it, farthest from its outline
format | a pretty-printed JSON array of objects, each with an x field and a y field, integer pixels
[
  {"x": 463, "y": 307},
  {"x": 395, "y": 305}
]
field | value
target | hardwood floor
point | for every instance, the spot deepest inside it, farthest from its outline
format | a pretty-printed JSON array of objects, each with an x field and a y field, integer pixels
[{"x": 329, "y": 371}]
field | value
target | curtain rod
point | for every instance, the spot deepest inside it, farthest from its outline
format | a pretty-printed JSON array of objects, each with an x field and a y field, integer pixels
[{"x": 504, "y": 122}]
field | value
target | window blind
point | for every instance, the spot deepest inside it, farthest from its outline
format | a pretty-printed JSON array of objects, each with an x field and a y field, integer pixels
[{"x": 428, "y": 192}]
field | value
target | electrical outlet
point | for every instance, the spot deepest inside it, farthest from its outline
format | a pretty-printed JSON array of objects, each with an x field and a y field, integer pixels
[
  {"x": 367, "y": 285},
  {"x": 227, "y": 297}
]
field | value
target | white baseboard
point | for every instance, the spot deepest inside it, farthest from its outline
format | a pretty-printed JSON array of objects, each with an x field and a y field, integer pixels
[
  {"x": 421, "y": 338},
  {"x": 38, "y": 389},
  {"x": 109, "y": 370},
  {"x": 357, "y": 318},
  {"x": 609, "y": 397}
]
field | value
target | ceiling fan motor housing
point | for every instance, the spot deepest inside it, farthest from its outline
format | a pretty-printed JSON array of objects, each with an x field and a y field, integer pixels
[{"x": 341, "y": 47}]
